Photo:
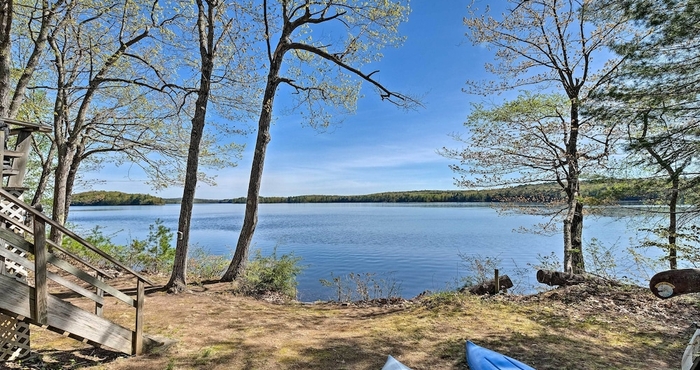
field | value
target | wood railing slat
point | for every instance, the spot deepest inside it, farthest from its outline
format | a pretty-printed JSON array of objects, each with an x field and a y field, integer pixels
[
  {"x": 71, "y": 234},
  {"x": 91, "y": 279},
  {"x": 137, "y": 341},
  {"x": 41, "y": 289}
]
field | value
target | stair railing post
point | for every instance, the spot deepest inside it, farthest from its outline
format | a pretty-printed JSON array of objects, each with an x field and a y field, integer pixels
[
  {"x": 2, "y": 154},
  {"x": 100, "y": 293},
  {"x": 137, "y": 341},
  {"x": 41, "y": 292}
]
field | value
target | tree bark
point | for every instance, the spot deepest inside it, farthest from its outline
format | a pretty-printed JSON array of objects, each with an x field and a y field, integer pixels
[
  {"x": 250, "y": 220},
  {"x": 205, "y": 23},
  {"x": 6, "y": 11},
  {"x": 672, "y": 283},
  {"x": 573, "y": 221},
  {"x": 558, "y": 278},
  {"x": 489, "y": 286},
  {"x": 673, "y": 223}
]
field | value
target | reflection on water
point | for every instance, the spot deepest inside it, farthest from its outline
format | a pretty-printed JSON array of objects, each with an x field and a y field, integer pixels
[{"x": 418, "y": 243}]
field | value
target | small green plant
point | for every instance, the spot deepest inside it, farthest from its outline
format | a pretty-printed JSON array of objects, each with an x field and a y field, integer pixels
[
  {"x": 97, "y": 239},
  {"x": 272, "y": 274},
  {"x": 600, "y": 259},
  {"x": 202, "y": 265},
  {"x": 363, "y": 287},
  {"x": 153, "y": 254},
  {"x": 548, "y": 262},
  {"x": 479, "y": 268}
]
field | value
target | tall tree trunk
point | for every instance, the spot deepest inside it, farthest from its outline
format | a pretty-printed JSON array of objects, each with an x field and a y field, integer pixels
[
  {"x": 46, "y": 165},
  {"x": 5, "y": 58},
  {"x": 673, "y": 223},
  {"x": 60, "y": 190},
  {"x": 206, "y": 25},
  {"x": 577, "y": 260},
  {"x": 250, "y": 220},
  {"x": 573, "y": 221}
]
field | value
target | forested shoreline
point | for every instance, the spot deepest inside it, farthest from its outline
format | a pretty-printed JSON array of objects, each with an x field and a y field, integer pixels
[{"x": 593, "y": 192}]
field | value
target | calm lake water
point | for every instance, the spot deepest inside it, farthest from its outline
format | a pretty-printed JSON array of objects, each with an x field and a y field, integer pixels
[{"x": 417, "y": 245}]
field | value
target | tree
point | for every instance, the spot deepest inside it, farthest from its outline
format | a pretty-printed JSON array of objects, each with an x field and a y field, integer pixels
[
  {"x": 319, "y": 71},
  {"x": 98, "y": 107},
  {"x": 28, "y": 26},
  {"x": 549, "y": 45},
  {"x": 655, "y": 93},
  {"x": 219, "y": 37},
  {"x": 115, "y": 100}
]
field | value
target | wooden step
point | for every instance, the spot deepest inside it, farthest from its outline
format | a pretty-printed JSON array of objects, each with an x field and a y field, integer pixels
[
  {"x": 12, "y": 154},
  {"x": 6, "y": 172},
  {"x": 64, "y": 317}
]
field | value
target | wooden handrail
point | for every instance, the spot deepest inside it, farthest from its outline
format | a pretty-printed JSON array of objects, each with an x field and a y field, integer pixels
[
  {"x": 53, "y": 245},
  {"x": 85, "y": 243}
]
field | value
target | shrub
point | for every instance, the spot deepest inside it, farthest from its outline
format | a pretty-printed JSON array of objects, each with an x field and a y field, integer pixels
[
  {"x": 479, "y": 268},
  {"x": 363, "y": 287},
  {"x": 272, "y": 274},
  {"x": 153, "y": 254},
  {"x": 202, "y": 265}
]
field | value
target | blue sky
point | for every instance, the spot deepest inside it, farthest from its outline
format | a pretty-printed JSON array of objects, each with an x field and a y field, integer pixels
[{"x": 380, "y": 148}]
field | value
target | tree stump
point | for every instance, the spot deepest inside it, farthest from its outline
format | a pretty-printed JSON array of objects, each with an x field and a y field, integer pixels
[
  {"x": 489, "y": 286},
  {"x": 560, "y": 278}
]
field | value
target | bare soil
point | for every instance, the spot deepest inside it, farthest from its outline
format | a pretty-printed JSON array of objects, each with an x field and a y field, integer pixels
[{"x": 579, "y": 327}]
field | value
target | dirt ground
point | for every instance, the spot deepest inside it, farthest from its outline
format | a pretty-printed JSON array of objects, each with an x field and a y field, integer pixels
[{"x": 580, "y": 327}]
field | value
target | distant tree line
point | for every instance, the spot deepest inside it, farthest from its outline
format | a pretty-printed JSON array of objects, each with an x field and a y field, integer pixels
[
  {"x": 594, "y": 192},
  {"x": 114, "y": 198}
]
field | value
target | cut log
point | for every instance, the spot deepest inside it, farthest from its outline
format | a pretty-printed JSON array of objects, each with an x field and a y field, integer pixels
[
  {"x": 489, "y": 286},
  {"x": 672, "y": 283},
  {"x": 559, "y": 278}
]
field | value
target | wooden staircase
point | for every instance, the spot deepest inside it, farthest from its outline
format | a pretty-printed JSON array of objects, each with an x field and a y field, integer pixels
[{"x": 45, "y": 285}]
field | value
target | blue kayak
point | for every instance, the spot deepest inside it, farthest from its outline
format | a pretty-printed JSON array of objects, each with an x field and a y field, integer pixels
[{"x": 480, "y": 358}]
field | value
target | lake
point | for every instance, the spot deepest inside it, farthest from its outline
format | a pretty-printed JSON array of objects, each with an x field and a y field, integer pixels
[{"x": 414, "y": 245}]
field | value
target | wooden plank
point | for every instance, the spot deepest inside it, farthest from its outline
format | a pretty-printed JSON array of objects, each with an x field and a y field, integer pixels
[
  {"x": 24, "y": 262},
  {"x": 90, "y": 279},
  {"x": 12, "y": 153},
  {"x": 28, "y": 247},
  {"x": 28, "y": 125},
  {"x": 137, "y": 340},
  {"x": 24, "y": 143},
  {"x": 16, "y": 240},
  {"x": 100, "y": 293},
  {"x": 41, "y": 290},
  {"x": 65, "y": 317},
  {"x": 80, "y": 260}
]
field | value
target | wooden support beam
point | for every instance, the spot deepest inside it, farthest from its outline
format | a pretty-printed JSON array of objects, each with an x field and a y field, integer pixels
[
  {"x": 100, "y": 293},
  {"x": 137, "y": 341},
  {"x": 41, "y": 292}
]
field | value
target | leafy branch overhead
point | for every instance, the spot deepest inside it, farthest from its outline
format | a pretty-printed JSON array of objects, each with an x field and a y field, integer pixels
[
  {"x": 311, "y": 69},
  {"x": 322, "y": 71}
]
